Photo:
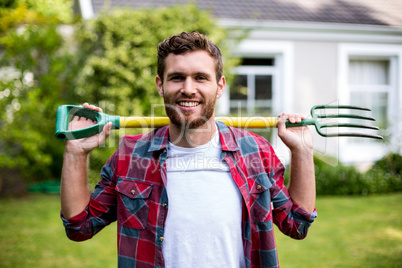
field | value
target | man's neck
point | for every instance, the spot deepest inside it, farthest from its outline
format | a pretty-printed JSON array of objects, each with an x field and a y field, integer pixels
[{"x": 191, "y": 138}]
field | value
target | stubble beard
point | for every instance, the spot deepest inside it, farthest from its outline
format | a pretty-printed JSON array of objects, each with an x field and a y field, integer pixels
[{"x": 181, "y": 118}]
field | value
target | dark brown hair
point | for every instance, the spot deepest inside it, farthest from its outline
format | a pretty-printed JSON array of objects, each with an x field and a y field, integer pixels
[{"x": 188, "y": 42}]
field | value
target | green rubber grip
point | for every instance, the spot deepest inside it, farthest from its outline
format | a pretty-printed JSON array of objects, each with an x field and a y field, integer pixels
[{"x": 65, "y": 112}]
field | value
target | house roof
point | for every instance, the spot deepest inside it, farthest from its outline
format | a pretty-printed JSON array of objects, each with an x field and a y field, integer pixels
[{"x": 368, "y": 12}]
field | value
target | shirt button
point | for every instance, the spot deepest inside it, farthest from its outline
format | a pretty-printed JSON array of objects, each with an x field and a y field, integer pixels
[
  {"x": 161, "y": 239},
  {"x": 132, "y": 191},
  {"x": 259, "y": 187}
]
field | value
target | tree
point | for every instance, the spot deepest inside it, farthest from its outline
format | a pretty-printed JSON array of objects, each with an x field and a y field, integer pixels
[
  {"x": 120, "y": 65},
  {"x": 109, "y": 61},
  {"x": 34, "y": 81}
]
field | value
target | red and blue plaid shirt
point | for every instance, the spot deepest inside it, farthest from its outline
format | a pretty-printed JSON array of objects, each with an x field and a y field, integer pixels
[{"x": 132, "y": 191}]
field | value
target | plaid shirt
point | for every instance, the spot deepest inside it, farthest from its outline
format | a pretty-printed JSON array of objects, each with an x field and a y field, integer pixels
[{"x": 132, "y": 191}]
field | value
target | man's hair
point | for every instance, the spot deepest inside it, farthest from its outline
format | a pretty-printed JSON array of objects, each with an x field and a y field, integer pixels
[{"x": 188, "y": 42}]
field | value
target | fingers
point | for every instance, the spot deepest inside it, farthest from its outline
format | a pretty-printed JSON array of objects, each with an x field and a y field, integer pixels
[
  {"x": 294, "y": 118},
  {"x": 282, "y": 124},
  {"x": 83, "y": 120},
  {"x": 91, "y": 107},
  {"x": 105, "y": 133}
]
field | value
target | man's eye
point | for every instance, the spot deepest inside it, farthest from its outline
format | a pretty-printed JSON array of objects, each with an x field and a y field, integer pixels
[
  {"x": 201, "y": 78},
  {"x": 176, "y": 78}
]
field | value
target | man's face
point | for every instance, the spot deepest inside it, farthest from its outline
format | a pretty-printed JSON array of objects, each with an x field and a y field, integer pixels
[{"x": 190, "y": 88}]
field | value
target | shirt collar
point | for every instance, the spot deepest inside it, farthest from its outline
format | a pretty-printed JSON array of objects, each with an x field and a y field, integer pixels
[
  {"x": 159, "y": 138},
  {"x": 228, "y": 142}
]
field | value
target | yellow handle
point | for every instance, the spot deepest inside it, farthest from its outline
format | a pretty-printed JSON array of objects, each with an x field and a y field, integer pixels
[
  {"x": 241, "y": 122},
  {"x": 143, "y": 122}
]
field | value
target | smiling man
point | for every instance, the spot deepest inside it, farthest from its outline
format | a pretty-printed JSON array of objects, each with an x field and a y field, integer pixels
[
  {"x": 190, "y": 87},
  {"x": 195, "y": 193}
]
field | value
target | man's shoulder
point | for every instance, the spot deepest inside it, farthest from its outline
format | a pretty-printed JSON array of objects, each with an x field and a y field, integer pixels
[
  {"x": 237, "y": 133},
  {"x": 154, "y": 136},
  {"x": 240, "y": 133},
  {"x": 249, "y": 142}
]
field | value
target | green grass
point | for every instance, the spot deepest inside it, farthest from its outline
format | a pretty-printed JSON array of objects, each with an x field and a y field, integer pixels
[
  {"x": 32, "y": 235},
  {"x": 349, "y": 232}
]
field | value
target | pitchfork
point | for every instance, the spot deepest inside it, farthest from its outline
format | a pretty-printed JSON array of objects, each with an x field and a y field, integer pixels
[{"x": 64, "y": 112}]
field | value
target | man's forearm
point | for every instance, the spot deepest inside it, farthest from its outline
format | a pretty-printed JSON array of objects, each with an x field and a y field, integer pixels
[
  {"x": 75, "y": 193},
  {"x": 302, "y": 178}
]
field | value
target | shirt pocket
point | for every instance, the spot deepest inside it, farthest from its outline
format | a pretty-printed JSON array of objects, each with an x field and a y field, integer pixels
[
  {"x": 260, "y": 198},
  {"x": 132, "y": 206}
]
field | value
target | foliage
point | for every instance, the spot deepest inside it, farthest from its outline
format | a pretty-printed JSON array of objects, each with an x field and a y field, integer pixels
[
  {"x": 33, "y": 85},
  {"x": 62, "y": 10},
  {"x": 120, "y": 49},
  {"x": 8, "y": 3},
  {"x": 19, "y": 12},
  {"x": 338, "y": 180},
  {"x": 384, "y": 177},
  {"x": 110, "y": 62},
  {"x": 11, "y": 18},
  {"x": 391, "y": 163},
  {"x": 34, "y": 81},
  {"x": 33, "y": 12}
]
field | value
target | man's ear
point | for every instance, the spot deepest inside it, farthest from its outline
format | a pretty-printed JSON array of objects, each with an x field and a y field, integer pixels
[
  {"x": 221, "y": 86},
  {"x": 159, "y": 85}
]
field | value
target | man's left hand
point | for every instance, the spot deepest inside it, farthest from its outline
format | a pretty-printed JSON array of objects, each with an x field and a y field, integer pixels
[{"x": 295, "y": 138}]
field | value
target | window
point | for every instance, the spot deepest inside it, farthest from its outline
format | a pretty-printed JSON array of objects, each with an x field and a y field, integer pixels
[
  {"x": 369, "y": 75},
  {"x": 253, "y": 87},
  {"x": 369, "y": 86}
]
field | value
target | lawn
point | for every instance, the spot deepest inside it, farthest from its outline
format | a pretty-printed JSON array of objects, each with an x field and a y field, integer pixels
[{"x": 349, "y": 232}]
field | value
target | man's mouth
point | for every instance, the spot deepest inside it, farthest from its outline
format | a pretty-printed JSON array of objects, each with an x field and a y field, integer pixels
[{"x": 188, "y": 103}]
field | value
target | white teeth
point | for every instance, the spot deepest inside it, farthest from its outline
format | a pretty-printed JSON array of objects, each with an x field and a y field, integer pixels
[{"x": 188, "y": 104}]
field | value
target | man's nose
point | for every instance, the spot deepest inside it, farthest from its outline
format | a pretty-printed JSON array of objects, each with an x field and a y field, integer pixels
[{"x": 188, "y": 86}]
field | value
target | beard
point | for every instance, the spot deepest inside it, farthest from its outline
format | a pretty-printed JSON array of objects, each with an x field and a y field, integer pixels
[{"x": 182, "y": 118}]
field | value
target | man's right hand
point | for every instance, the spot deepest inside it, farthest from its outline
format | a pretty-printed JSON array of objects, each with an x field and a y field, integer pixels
[
  {"x": 86, "y": 145},
  {"x": 75, "y": 192}
]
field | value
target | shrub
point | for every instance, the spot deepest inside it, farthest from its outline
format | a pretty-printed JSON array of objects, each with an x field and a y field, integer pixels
[
  {"x": 383, "y": 177},
  {"x": 338, "y": 180},
  {"x": 110, "y": 62},
  {"x": 391, "y": 163},
  {"x": 32, "y": 85}
]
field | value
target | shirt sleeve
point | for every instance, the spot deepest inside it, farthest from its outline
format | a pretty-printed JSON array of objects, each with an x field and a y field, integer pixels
[
  {"x": 291, "y": 219},
  {"x": 101, "y": 210}
]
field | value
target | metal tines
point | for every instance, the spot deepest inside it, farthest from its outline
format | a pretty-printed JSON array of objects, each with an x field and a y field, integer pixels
[{"x": 319, "y": 126}]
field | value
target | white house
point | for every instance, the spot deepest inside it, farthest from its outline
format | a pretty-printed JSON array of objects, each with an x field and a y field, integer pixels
[{"x": 300, "y": 53}]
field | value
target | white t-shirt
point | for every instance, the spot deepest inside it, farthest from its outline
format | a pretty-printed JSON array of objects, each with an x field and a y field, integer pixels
[{"x": 203, "y": 225}]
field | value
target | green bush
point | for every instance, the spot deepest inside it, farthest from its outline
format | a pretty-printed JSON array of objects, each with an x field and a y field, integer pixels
[
  {"x": 392, "y": 163},
  {"x": 383, "y": 177},
  {"x": 109, "y": 61},
  {"x": 119, "y": 54},
  {"x": 386, "y": 175},
  {"x": 35, "y": 80},
  {"x": 337, "y": 180}
]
